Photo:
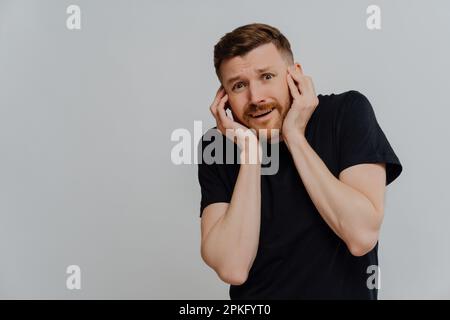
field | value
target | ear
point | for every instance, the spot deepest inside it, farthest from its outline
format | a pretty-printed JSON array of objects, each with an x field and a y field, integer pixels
[{"x": 298, "y": 67}]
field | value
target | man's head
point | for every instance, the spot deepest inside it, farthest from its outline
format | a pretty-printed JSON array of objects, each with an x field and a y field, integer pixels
[{"x": 251, "y": 63}]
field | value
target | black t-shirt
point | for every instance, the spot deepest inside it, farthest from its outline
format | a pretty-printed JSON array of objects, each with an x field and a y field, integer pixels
[{"x": 299, "y": 256}]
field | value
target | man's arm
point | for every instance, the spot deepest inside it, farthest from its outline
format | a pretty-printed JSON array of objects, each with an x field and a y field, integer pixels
[
  {"x": 353, "y": 204},
  {"x": 230, "y": 232},
  {"x": 353, "y": 208}
]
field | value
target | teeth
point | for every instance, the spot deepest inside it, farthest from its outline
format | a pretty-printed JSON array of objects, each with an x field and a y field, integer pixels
[{"x": 261, "y": 113}]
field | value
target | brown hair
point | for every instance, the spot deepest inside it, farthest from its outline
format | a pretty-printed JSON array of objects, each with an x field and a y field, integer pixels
[{"x": 246, "y": 38}]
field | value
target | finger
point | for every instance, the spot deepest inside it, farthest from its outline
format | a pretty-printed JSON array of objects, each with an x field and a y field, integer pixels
[
  {"x": 309, "y": 84},
  {"x": 223, "y": 117},
  {"x": 224, "y": 121},
  {"x": 296, "y": 70},
  {"x": 213, "y": 111},
  {"x": 216, "y": 117},
  {"x": 221, "y": 91},
  {"x": 292, "y": 87},
  {"x": 219, "y": 95},
  {"x": 296, "y": 74},
  {"x": 298, "y": 79},
  {"x": 303, "y": 82}
]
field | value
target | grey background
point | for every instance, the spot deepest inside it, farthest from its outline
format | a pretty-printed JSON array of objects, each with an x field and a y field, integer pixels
[{"x": 86, "y": 117}]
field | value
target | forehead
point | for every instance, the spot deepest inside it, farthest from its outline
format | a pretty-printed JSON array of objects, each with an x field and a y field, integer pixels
[{"x": 266, "y": 55}]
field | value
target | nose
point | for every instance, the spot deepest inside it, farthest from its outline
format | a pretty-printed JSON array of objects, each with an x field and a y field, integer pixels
[{"x": 256, "y": 93}]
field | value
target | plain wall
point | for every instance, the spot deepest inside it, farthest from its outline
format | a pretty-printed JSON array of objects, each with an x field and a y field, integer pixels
[{"x": 86, "y": 117}]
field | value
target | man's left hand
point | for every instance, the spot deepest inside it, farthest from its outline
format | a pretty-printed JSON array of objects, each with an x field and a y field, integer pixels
[{"x": 303, "y": 105}]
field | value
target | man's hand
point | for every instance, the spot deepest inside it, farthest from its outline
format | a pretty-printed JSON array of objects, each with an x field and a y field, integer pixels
[
  {"x": 218, "y": 110},
  {"x": 303, "y": 105},
  {"x": 244, "y": 137}
]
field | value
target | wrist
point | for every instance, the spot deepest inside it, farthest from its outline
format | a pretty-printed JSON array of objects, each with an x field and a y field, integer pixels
[
  {"x": 294, "y": 139},
  {"x": 293, "y": 134},
  {"x": 251, "y": 151}
]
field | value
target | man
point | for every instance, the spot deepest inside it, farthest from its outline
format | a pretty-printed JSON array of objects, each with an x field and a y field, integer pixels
[{"x": 311, "y": 230}]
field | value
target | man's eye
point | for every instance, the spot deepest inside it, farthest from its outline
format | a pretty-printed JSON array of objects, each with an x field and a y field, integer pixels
[
  {"x": 238, "y": 85},
  {"x": 267, "y": 76}
]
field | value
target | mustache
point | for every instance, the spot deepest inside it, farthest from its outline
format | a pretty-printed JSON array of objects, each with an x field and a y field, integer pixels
[{"x": 262, "y": 107}]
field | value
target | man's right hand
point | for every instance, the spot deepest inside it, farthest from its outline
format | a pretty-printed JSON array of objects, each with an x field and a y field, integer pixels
[{"x": 233, "y": 130}]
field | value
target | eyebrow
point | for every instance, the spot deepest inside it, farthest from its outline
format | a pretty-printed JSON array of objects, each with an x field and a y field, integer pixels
[{"x": 261, "y": 70}]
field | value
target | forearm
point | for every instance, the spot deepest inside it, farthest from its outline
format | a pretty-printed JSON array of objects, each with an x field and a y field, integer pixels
[
  {"x": 349, "y": 213},
  {"x": 233, "y": 242}
]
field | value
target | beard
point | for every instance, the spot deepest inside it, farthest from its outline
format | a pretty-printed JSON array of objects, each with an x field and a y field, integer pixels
[{"x": 270, "y": 127}]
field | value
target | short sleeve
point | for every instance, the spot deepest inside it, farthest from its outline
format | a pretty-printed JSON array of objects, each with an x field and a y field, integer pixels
[
  {"x": 360, "y": 138},
  {"x": 213, "y": 187}
]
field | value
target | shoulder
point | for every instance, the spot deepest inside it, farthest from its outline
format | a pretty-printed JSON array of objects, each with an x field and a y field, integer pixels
[
  {"x": 339, "y": 100},
  {"x": 346, "y": 104}
]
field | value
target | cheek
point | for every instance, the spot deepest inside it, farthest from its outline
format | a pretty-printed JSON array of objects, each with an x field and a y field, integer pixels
[
  {"x": 285, "y": 88},
  {"x": 285, "y": 93},
  {"x": 282, "y": 94},
  {"x": 237, "y": 107},
  {"x": 280, "y": 86}
]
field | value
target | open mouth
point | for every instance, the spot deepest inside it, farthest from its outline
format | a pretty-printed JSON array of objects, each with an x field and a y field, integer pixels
[{"x": 261, "y": 114}]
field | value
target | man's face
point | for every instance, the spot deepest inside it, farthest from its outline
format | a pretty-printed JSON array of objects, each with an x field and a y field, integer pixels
[{"x": 257, "y": 88}]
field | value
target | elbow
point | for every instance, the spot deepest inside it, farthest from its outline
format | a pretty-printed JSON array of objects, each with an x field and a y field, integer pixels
[
  {"x": 359, "y": 251},
  {"x": 229, "y": 274},
  {"x": 233, "y": 276},
  {"x": 362, "y": 246}
]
